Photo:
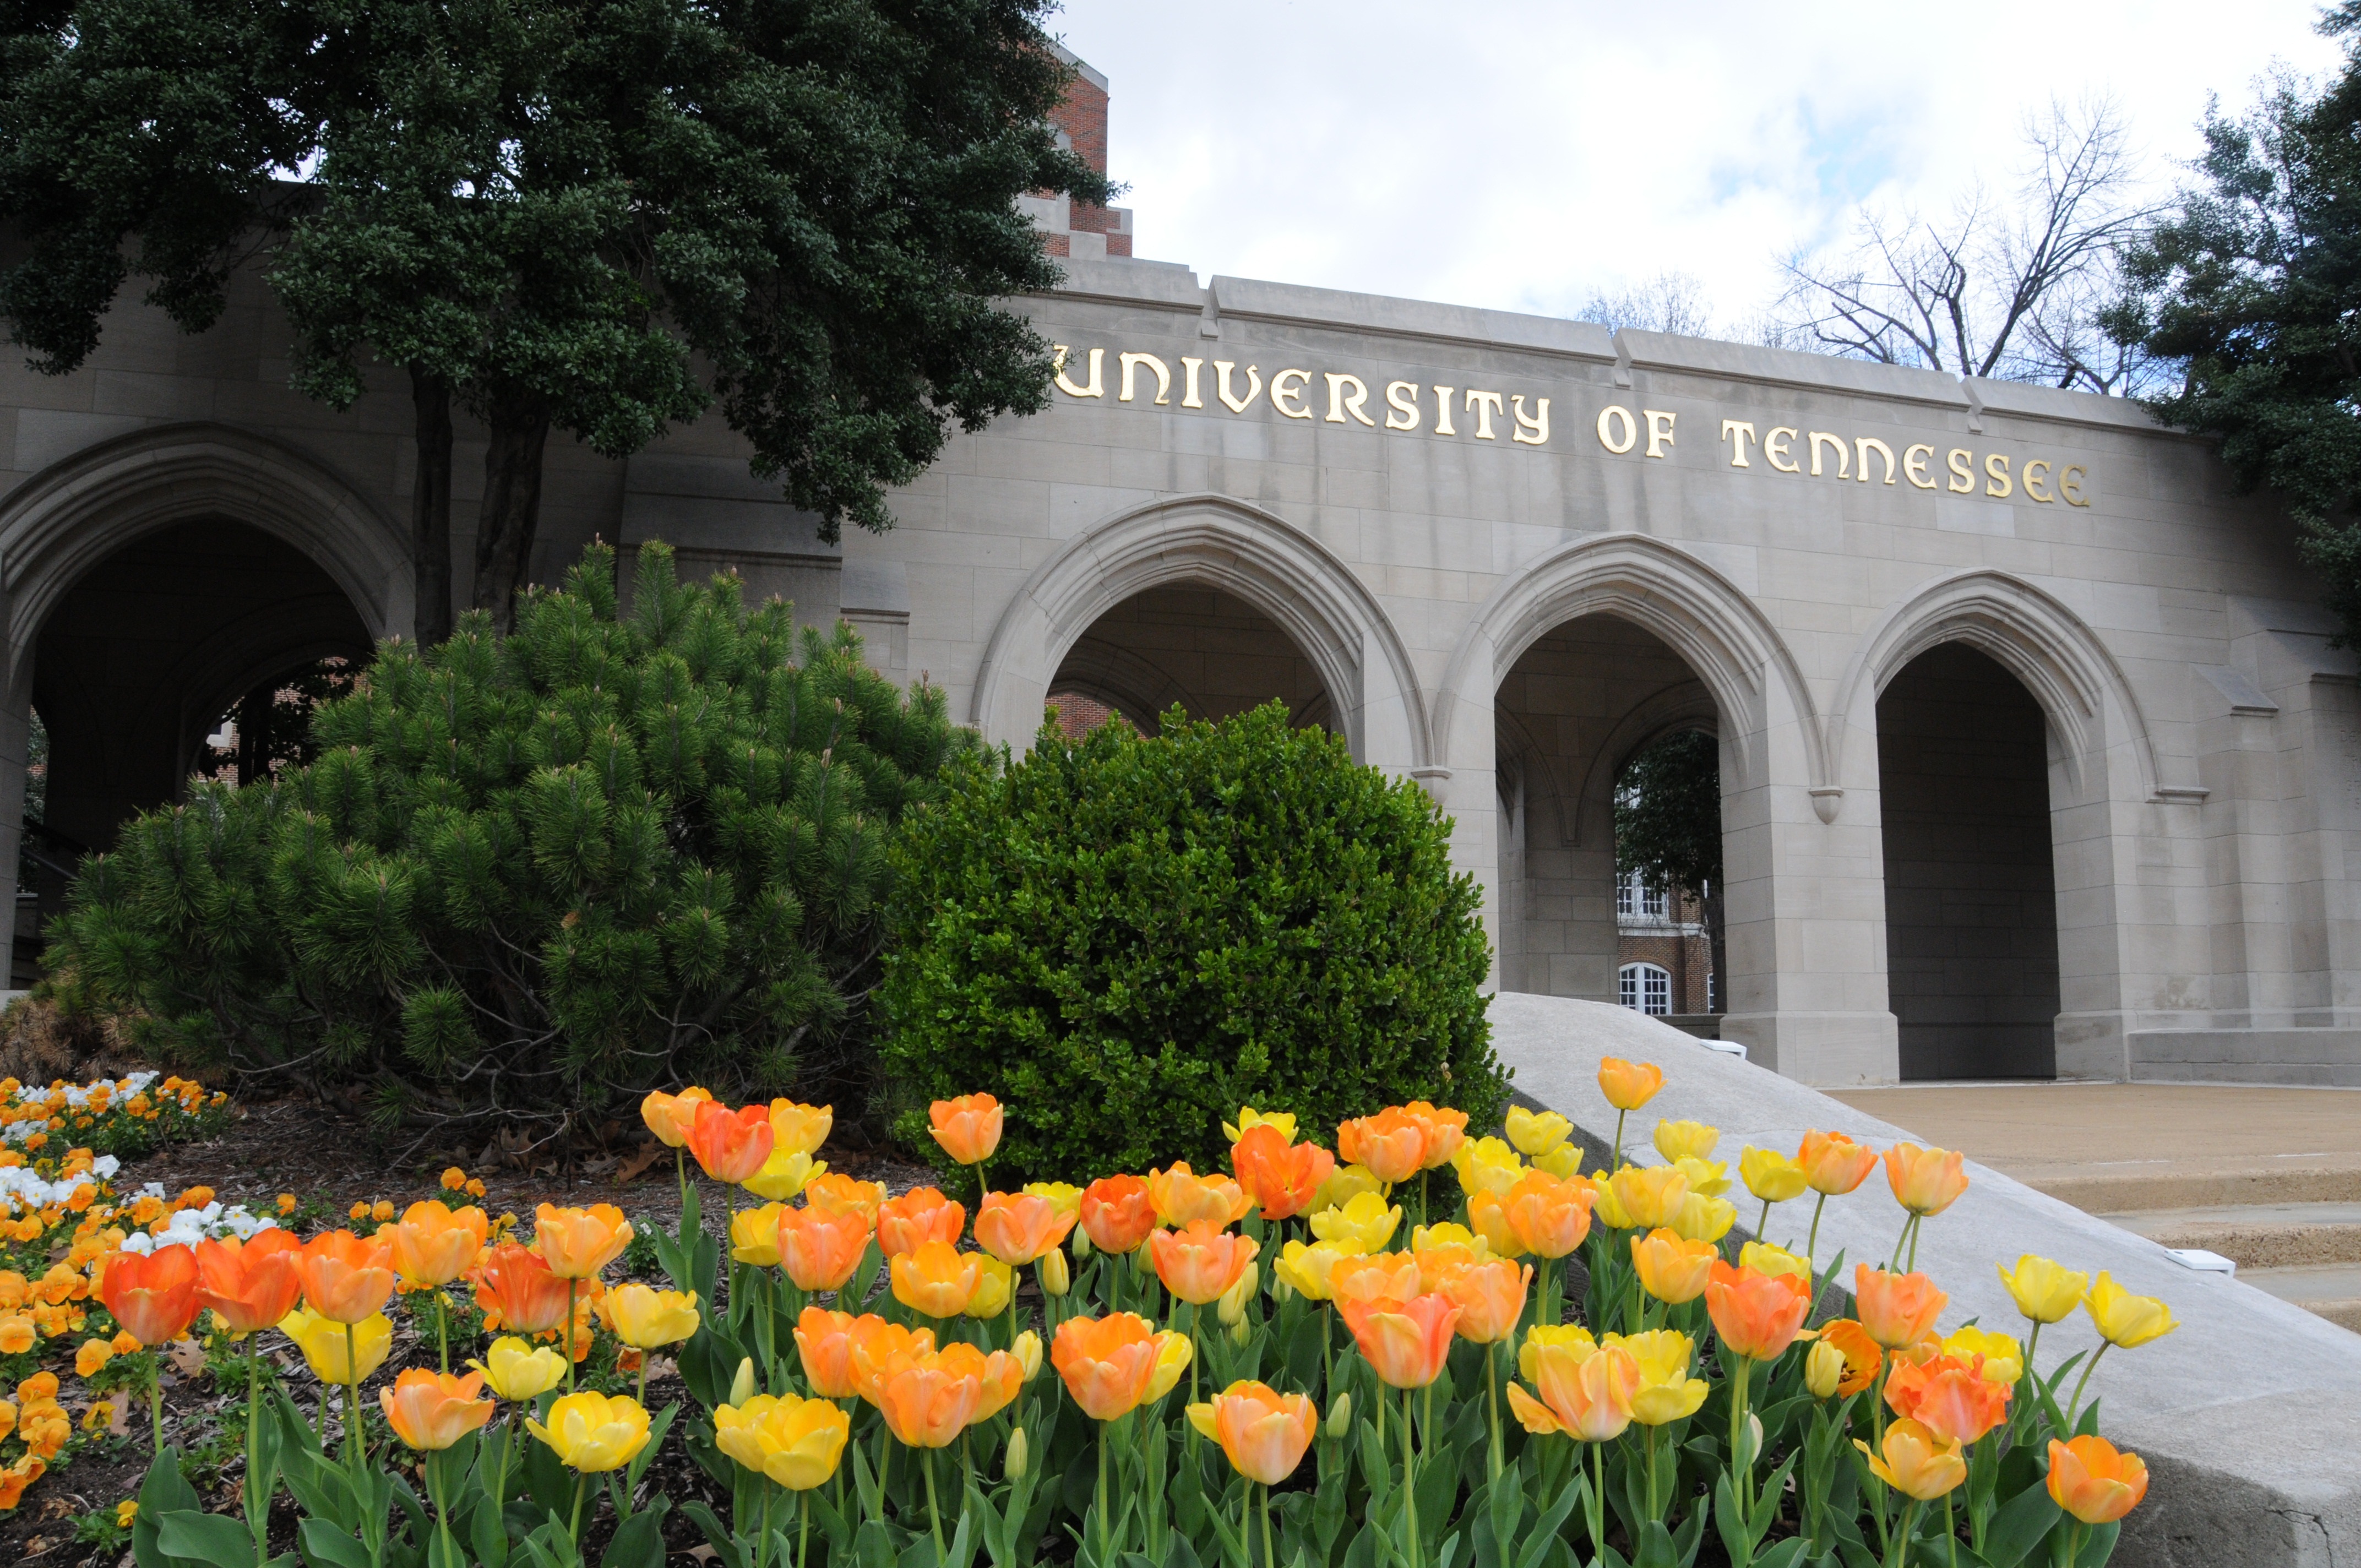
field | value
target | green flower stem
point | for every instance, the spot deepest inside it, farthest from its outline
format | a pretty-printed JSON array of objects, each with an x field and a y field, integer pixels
[
  {"x": 565, "y": 1345},
  {"x": 258, "y": 1518},
  {"x": 574, "y": 1527},
  {"x": 1492, "y": 1405},
  {"x": 2075, "y": 1409},
  {"x": 1742, "y": 1481},
  {"x": 763, "y": 1540},
  {"x": 500, "y": 1477},
  {"x": 1269, "y": 1558},
  {"x": 1410, "y": 1485},
  {"x": 1917, "y": 1222},
  {"x": 1106, "y": 1534},
  {"x": 1618, "y": 1138},
  {"x": 355, "y": 1442},
  {"x": 442, "y": 1506},
  {"x": 934, "y": 1512},
  {"x": 802, "y": 1525},
  {"x": 1812, "y": 1244},
  {"x": 1655, "y": 1510},
  {"x": 1597, "y": 1501},
  {"x": 443, "y": 1328},
  {"x": 1897, "y": 1552},
  {"x": 1762, "y": 1226}
]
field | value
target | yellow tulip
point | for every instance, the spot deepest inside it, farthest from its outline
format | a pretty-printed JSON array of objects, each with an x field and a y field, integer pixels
[
  {"x": 1772, "y": 1176},
  {"x": 591, "y": 1433},
  {"x": 1431, "y": 1238},
  {"x": 2045, "y": 1291},
  {"x": 648, "y": 1320},
  {"x": 795, "y": 1443},
  {"x": 517, "y": 1370},
  {"x": 322, "y": 1340},
  {"x": 1568, "y": 1341},
  {"x": 1028, "y": 1352},
  {"x": 1711, "y": 1177},
  {"x": 1704, "y": 1219},
  {"x": 755, "y": 1236},
  {"x": 1666, "y": 1392},
  {"x": 1304, "y": 1268},
  {"x": 1064, "y": 1194},
  {"x": 1172, "y": 1353},
  {"x": 994, "y": 1283},
  {"x": 1649, "y": 1195},
  {"x": 1677, "y": 1141},
  {"x": 1915, "y": 1463},
  {"x": 1056, "y": 1278},
  {"x": 1564, "y": 1162},
  {"x": 784, "y": 1174},
  {"x": 1673, "y": 1268},
  {"x": 1604, "y": 1207},
  {"x": 2126, "y": 1319},
  {"x": 1823, "y": 1368},
  {"x": 1366, "y": 1220},
  {"x": 1535, "y": 1132},
  {"x": 2003, "y": 1360},
  {"x": 1344, "y": 1183},
  {"x": 1486, "y": 1165},
  {"x": 800, "y": 1129},
  {"x": 1250, "y": 1117},
  {"x": 1765, "y": 1258}
]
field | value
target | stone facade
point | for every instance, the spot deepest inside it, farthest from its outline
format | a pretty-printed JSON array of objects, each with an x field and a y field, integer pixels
[{"x": 2035, "y": 755}]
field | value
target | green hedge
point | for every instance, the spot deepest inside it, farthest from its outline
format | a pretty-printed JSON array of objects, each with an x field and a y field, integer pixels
[{"x": 1126, "y": 937}]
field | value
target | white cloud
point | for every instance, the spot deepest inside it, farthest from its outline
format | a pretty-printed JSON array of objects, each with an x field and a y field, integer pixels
[{"x": 1522, "y": 155}]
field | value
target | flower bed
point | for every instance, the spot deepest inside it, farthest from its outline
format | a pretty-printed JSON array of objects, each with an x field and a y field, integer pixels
[{"x": 1242, "y": 1368}]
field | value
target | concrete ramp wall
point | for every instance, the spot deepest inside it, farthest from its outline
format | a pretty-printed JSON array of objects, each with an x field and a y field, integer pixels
[{"x": 2248, "y": 1414}]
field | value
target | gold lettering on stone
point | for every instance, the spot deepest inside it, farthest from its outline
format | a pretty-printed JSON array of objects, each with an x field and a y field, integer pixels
[
  {"x": 1189, "y": 398},
  {"x": 1132, "y": 362},
  {"x": 1738, "y": 432},
  {"x": 1443, "y": 410},
  {"x": 1820, "y": 437},
  {"x": 1284, "y": 398},
  {"x": 1960, "y": 462},
  {"x": 1484, "y": 405},
  {"x": 1660, "y": 431},
  {"x": 1620, "y": 416},
  {"x": 2034, "y": 482},
  {"x": 1998, "y": 483},
  {"x": 1057, "y": 365},
  {"x": 1339, "y": 405},
  {"x": 1774, "y": 450},
  {"x": 1222, "y": 369},
  {"x": 2069, "y": 486},
  {"x": 1532, "y": 432},
  {"x": 1862, "y": 445},
  {"x": 1913, "y": 466},
  {"x": 1402, "y": 397}
]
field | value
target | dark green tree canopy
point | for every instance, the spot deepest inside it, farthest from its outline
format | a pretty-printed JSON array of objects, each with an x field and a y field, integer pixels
[
  {"x": 527, "y": 877},
  {"x": 1668, "y": 814},
  {"x": 1126, "y": 938},
  {"x": 2255, "y": 282}
]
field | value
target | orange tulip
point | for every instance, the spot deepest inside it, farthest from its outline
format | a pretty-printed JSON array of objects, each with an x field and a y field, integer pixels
[
  {"x": 800, "y": 1129},
  {"x": 1550, "y": 1218},
  {"x": 1833, "y": 1164},
  {"x": 819, "y": 1249},
  {"x": 1628, "y": 1085},
  {"x": 154, "y": 1297},
  {"x": 1117, "y": 1212},
  {"x": 730, "y": 1146},
  {"x": 1199, "y": 1263},
  {"x": 967, "y": 1127},
  {"x": 578, "y": 1243},
  {"x": 517, "y": 1290},
  {"x": 936, "y": 1279},
  {"x": 1925, "y": 1181},
  {"x": 252, "y": 1283},
  {"x": 920, "y": 1215},
  {"x": 1756, "y": 1315},
  {"x": 2090, "y": 1479},
  {"x": 1861, "y": 1356},
  {"x": 1948, "y": 1397},
  {"x": 1671, "y": 1269},
  {"x": 1407, "y": 1345},
  {"x": 1388, "y": 1278},
  {"x": 927, "y": 1404},
  {"x": 840, "y": 1194},
  {"x": 432, "y": 1410},
  {"x": 1895, "y": 1308},
  {"x": 431, "y": 1246},
  {"x": 1265, "y": 1434},
  {"x": 345, "y": 1279},
  {"x": 999, "y": 1376},
  {"x": 1391, "y": 1144},
  {"x": 878, "y": 1347},
  {"x": 1280, "y": 1177},
  {"x": 1445, "y": 1131},
  {"x": 824, "y": 1342},
  {"x": 1487, "y": 1216},
  {"x": 1107, "y": 1363},
  {"x": 670, "y": 1116},
  {"x": 1182, "y": 1197},
  {"x": 1490, "y": 1296},
  {"x": 1585, "y": 1395},
  {"x": 1019, "y": 1227}
]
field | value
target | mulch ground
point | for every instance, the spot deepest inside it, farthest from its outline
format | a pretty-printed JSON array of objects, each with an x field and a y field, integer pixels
[{"x": 319, "y": 1151}]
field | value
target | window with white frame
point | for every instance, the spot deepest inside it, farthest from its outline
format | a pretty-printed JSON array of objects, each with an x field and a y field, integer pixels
[
  {"x": 1635, "y": 900},
  {"x": 1646, "y": 988}
]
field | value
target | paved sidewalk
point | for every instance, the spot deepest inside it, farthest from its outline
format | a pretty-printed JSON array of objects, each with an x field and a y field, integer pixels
[{"x": 2114, "y": 1146}]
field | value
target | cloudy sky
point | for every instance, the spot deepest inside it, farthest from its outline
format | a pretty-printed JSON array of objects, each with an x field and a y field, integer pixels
[{"x": 1524, "y": 155}]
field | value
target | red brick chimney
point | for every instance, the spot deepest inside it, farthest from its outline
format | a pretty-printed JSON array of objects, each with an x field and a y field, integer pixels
[{"x": 1078, "y": 228}]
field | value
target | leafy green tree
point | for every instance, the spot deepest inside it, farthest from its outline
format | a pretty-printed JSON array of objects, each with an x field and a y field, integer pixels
[
  {"x": 1126, "y": 938},
  {"x": 1668, "y": 825},
  {"x": 2255, "y": 284},
  {"x": 594, "y": 218},
  {"x": 528, "y": 877}
]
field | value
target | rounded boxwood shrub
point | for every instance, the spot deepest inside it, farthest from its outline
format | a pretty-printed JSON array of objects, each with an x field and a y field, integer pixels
[{"x": 1126, "y": 938}]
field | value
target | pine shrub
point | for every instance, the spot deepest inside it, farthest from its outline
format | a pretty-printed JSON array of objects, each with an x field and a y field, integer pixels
[
  {"x": 529, "y": 877},
  {"x": 1126, "y": 937}
]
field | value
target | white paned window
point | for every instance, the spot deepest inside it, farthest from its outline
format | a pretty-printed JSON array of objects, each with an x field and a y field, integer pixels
[{"x": 1646, "y": 988}]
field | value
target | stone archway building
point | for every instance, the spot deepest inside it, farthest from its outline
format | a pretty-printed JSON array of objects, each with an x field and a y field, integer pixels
[{"x": 1502, "y": 552}]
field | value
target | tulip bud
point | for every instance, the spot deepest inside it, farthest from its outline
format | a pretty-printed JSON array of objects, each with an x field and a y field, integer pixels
[
  {"x": 1080, "y": 1242},
  {"x": 1013, "y": 1467},
  {"x": 1232, "y": 1308},
  {"x": 742, "y": 1387},
  {"x": 1055, "y": 1279},
  {"x": 1240, "y": 1335},
  {"x": 1340, "y": 1415},
  {"x": 1143, "y": 1262},
  {"x": 1281, "y": 1291},
  {"x": 1823, "y": 1368}
]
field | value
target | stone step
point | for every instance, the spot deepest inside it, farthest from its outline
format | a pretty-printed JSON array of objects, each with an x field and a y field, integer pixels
[
  {"x": 2257, "y": 1235},
  {"x": 2121, "y": 1192},
  {"x": 2329, "y": 1290}
]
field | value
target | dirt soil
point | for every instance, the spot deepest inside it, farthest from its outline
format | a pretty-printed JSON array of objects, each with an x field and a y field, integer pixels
[{"x": 308, "y": 1148}]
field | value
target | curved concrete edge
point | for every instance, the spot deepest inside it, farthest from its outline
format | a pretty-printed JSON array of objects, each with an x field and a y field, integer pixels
[{"x": 2248, "y": 1415}]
